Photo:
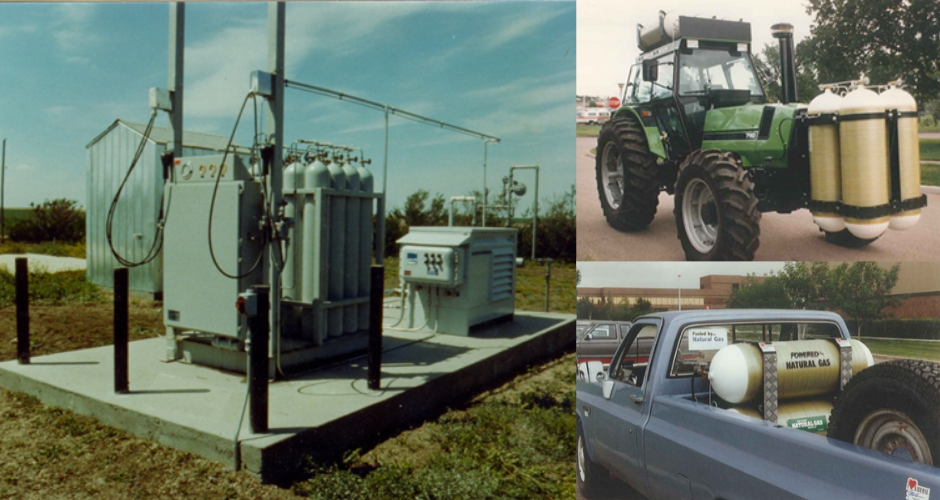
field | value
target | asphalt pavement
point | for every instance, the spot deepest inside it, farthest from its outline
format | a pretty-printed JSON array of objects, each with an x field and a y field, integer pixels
[{"x": 784, "y": 237}]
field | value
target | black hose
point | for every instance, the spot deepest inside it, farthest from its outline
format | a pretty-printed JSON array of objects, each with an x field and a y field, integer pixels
[
  {"x": 215, "y": 190},
  {"x": 109, "y": 222}
]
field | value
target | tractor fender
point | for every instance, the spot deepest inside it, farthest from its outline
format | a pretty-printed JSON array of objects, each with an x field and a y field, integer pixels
[{"x": 653, "y": 138}]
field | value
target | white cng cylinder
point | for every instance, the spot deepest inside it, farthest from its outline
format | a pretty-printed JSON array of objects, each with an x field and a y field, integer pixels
[
  {"x": 337, "y": 250},
  {"x": 804, "y": 368},
  {"x": 866, "y": 181},
  {"x": 366, "y": 182},
  {"x": 293, "y": 207},
  {"x": 825, "y": 169},
  {"x": 316, "y": 176},
  {"x": 908, "y": 152},
  {"x": 810, "y": 415},
  {"x": 351, "y": 276}
]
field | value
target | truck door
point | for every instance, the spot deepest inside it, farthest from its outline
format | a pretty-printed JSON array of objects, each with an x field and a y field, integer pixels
[{"x": 620, "y": 420}]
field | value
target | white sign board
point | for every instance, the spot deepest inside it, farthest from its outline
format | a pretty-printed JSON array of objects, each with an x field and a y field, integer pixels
[{"x": 707, "y": 338}]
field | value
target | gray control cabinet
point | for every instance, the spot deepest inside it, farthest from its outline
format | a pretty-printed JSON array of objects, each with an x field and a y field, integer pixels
[
  {"x": 198, "y": 297},
  {"x": 458, "y": 277}
]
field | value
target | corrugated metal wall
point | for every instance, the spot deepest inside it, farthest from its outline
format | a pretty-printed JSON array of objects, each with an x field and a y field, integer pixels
[{"x": 136, "y": 214}]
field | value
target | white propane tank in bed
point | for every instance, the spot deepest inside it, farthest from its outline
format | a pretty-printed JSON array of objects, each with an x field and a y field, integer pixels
[{"x": 804, "y": 368}]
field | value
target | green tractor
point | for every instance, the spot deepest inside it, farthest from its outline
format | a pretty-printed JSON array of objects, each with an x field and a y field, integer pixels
[{"x": 696, "y": 123}]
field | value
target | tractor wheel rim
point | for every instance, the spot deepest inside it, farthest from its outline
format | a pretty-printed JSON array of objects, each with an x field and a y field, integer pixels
[
  {"x": 612, "y": 175},
  {"x": 700, "y": 215},
  {"x": 894, "y": 433},
  {"x": 581, "y": 460}
]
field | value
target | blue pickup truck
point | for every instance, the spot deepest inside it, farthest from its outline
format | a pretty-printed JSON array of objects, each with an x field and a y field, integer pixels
[{"x": 708, "y": 418}]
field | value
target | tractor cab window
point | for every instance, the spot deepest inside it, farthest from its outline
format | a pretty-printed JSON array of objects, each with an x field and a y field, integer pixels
[
  {"x": 707, "y": 69},
  {"x": 639, "y": 91}
]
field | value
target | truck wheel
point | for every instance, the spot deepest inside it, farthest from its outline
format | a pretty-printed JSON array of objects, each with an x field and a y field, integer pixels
[
  {"x": 845, "y": 238},
  {"x": 626, "y": 175},
  {"x": 590, "y": 475},
  {"x": 892, "y": 407},
  {"x": 716, "y": 209}
]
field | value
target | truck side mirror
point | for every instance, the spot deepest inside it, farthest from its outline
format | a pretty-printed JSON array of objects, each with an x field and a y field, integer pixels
[{"x": 650, "y": 70}]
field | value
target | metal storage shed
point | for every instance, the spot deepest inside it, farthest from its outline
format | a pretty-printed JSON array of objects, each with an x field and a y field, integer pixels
[{"x": 108, "y": 157}]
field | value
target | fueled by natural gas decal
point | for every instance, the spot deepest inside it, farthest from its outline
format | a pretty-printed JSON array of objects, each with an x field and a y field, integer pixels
[
  {"x": 812, "y": 424},
  {"x": 709, "y": 338},
  {"x": 807, "y": 359},
  {"x": 915, "y": 491}
]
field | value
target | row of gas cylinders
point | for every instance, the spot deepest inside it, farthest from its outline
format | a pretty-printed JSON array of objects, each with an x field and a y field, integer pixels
[
  {"x": 345, "y": 240},
  {"x": 808, "y": 373},
  {"x": 850, "y": 162}
]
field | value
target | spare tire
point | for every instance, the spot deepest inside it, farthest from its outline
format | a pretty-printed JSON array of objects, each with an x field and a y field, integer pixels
[{"x": 892, "y": 407}]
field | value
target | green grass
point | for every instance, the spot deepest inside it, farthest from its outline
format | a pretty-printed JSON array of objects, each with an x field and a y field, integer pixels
[
  {"x": 930, "y": 149},
  {"x": 50, "y": 288},
  {"x": 933, "y": 127},
  {"x": 588, "y": 130},
  {"x": 929, "y": 174},
  {"x": 904, "y": 348}
]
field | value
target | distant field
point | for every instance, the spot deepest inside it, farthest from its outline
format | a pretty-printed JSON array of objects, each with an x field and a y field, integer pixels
[
  {"x": 904, "y": 348},
  {"x": 588, "y": 130},
  {"x": 930, "y": 149}
]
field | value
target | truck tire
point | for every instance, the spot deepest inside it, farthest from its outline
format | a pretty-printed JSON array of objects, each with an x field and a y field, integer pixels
[
  {"x": 591, "y": 477},
  {"x": 894, "y": 408},
  {"x": 716, "y": 209},
  {"x": 845, "y": 238},
  {"x": 627, "y": 184}
]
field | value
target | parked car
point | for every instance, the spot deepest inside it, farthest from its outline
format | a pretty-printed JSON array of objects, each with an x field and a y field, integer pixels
[
  {"x": 663, "y": 426},
  {"x": 600, "y": 339}
]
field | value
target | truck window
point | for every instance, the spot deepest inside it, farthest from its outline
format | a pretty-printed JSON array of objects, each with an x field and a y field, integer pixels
[
  {"x": 698, "y": 344},
  {"x": 602, "y": 332},
  {"x": 630, "y": 365}
]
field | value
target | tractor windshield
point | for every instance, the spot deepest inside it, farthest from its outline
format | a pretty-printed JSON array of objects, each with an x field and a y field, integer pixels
[{"x": 707, "y": 69}]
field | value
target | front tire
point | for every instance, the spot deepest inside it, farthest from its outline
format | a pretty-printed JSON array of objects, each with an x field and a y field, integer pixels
[
  {"x": 845, "y": 238},
  {"x": 590, "y": 475},
  {"x": 894, "y": 408},
  {"x": 715, "y": 208},
  {"x": 627, "y": 184}
]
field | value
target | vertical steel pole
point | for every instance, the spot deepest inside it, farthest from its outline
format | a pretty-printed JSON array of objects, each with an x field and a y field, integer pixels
[
  {"x": 175, "y": 74},
  {"x": 548, "y": 281},
  {"x": 535, "y": 218},
  {"x": 375, "y": 327},
  {"x": 3, "y": 172},
  {"x": 485, "y": 144},
  {"x": 680, "y": 292},
  {"x": 121, "y": 383},
  {"x": 275, "y": 132},
  {"x": 258, "y": 359},
  {"x": 380, "y": 203},
  {"x": 22, "y": 311}
]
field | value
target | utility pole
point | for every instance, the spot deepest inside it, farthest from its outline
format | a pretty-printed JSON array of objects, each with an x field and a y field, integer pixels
[
  {"x": 680, "y": 292},
  {"x": 3, "y": 173}
]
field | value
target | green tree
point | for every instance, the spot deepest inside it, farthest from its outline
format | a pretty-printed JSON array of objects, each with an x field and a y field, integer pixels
[
  {"x": 579, "y": 276},
  {"x": 884, "y": 39},
  {"x": 807, "y": 285},
  {"x": 642, "y": 307},
  {"x": 768, "y": 65},
  {"x": 56, "y": 220},
  {"x": 861, "y": 291},
  {"x": 769, "y": 294}
]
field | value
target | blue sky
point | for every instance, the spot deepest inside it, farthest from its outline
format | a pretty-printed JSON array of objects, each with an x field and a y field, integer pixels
[{"x": 505, "y": 69}]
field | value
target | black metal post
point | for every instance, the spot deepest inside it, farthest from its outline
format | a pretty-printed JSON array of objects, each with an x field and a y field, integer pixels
[
  {"x": 22, "y": 311},
  {"x": 121, "y": 382},
  {"x": 375, "y": 327},
  {"x": 259, "y": 337},
  {"x": 548, "y": 279}
]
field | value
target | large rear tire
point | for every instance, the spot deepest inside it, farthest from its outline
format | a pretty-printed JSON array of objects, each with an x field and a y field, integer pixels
[
  {"x": 590, "y": 476},
  {"x": 894, "y": 408},
  {"x": 627, "y": 184},
  {"x": 845, "y": 238},
  {"x": 715, "y": 208}
]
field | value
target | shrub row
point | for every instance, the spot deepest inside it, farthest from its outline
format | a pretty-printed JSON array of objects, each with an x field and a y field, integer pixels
[{"x": 925, "y": 329}]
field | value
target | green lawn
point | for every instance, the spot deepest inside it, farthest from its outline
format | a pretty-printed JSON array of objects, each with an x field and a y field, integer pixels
[
  {"x": 934, "y": 127},
  {"x": 930, "y": 149},
  {"x": 929, "y": 174},
  {"x": 588, "y": 130},
  {"x": 904, "y": 348}
]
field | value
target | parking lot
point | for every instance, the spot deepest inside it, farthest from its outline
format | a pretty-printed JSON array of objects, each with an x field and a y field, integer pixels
[{"x": 784, "y": 237}]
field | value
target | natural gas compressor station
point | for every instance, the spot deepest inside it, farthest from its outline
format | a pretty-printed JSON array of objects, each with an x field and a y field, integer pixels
[{"x": 270, "y": 262}]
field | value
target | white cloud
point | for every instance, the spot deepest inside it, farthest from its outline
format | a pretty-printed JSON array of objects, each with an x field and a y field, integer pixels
[
  {"x": 72, "y": 28},
  {"x": 521, "y": 25},
  {"x": 24, "y": 167}
]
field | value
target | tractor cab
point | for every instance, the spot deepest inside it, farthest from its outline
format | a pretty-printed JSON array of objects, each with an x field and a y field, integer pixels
[{"x": 689, "y": 66}]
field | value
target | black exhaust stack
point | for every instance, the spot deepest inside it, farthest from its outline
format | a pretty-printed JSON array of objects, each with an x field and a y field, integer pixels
[{"x": 784, "y": 32}]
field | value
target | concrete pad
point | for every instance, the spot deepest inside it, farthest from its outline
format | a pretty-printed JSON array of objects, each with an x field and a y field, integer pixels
[
  {"x": 39, "y": 262},
  {"x": 320, "y": 414}
]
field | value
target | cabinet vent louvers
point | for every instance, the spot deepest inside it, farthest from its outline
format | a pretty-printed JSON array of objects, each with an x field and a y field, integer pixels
[{"x": 503, "y": 273}]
